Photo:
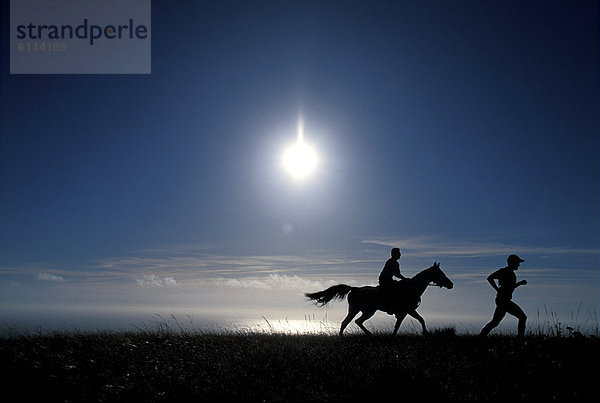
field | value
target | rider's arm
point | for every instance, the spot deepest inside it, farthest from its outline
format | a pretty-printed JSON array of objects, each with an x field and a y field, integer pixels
[{"x": 397, "y": 272}]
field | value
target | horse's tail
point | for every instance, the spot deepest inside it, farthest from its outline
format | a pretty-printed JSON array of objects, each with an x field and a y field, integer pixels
[{"x": 321, "y": 298}]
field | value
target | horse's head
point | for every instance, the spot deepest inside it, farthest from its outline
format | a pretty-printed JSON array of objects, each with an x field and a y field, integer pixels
[{"x": 438, "y": 277}]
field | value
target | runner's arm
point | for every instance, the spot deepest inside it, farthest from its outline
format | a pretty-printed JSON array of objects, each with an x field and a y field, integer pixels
[{"x": 491, "y": 279}]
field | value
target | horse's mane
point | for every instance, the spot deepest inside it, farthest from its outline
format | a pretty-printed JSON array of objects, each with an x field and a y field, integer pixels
[{"x": 419, "y": 276}]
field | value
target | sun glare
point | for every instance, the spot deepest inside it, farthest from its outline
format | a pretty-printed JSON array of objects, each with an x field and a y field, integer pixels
[{"x": 300, "y": 160}]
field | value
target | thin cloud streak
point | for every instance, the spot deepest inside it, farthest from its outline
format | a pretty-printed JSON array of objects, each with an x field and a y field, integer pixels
[
  {"x": 431, "y": 247},
  {"x": 202, "y": 266},
  {"x": 50, "y": 277},
  {"x": 273, "y": 281},
  {"x": 154, "y": 280}
]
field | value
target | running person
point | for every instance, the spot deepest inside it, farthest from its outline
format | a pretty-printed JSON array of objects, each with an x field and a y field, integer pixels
[{"x": 507, "y": 283}]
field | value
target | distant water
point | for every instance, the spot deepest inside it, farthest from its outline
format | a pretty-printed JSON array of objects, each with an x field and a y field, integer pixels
[
  {"x": 29, "y": 325},
  {"x": 36, "y": 322},
  {"x": 28, "y": 321}
]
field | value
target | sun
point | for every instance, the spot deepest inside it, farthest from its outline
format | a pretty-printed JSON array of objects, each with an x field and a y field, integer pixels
[{"x": 300, "y": 159}]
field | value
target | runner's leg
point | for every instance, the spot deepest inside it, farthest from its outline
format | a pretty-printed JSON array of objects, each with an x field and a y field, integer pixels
[
  {"x": 516, "y": 311},
  {"x": 498, "y": 316}
]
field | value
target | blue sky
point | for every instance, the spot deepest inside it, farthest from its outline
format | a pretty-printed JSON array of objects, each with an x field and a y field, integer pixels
[{"x": 459, "y": 132}]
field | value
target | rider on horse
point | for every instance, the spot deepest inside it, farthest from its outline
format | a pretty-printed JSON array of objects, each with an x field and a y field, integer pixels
[
  {"x": 391, "y": 269},
  {"x": 387, "y": 283}
]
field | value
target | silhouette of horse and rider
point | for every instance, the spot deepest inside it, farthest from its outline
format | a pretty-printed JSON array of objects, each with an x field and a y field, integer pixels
[{"x": 401, "y": 298}]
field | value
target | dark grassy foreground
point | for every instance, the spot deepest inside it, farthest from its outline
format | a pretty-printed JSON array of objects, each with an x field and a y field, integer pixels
[{"x": 157, "y": 366}]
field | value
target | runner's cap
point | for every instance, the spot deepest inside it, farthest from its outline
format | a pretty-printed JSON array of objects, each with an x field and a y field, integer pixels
[{"x": 514, "y": 259}]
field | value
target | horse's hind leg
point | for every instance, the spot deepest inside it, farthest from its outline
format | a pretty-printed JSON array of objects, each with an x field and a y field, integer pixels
[
  {"x": 399, "y": 318},
  {"x": 365, "y": 315},
  {"x": 352, "y": 311}
]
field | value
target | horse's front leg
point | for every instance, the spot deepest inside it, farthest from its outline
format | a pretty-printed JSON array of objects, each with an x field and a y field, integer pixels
[
  {"x": 418, "y": 317},
  {"x": 399, "y": 318}
]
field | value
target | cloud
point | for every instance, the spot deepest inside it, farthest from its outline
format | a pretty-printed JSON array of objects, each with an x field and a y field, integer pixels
[
  {"x": 154, "y": 280},
  {"x": 188, "y": 267},
  {"x": 50, "y": 277}
]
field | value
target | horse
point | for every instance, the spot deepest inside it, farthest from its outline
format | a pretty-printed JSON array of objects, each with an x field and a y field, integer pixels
[{"x": 404, "y": 298}]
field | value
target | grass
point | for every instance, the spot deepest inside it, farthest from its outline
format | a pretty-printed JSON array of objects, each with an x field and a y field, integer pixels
[
  {"x": 575, "y": 327},
  {"x": 166, "y": 364}
]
